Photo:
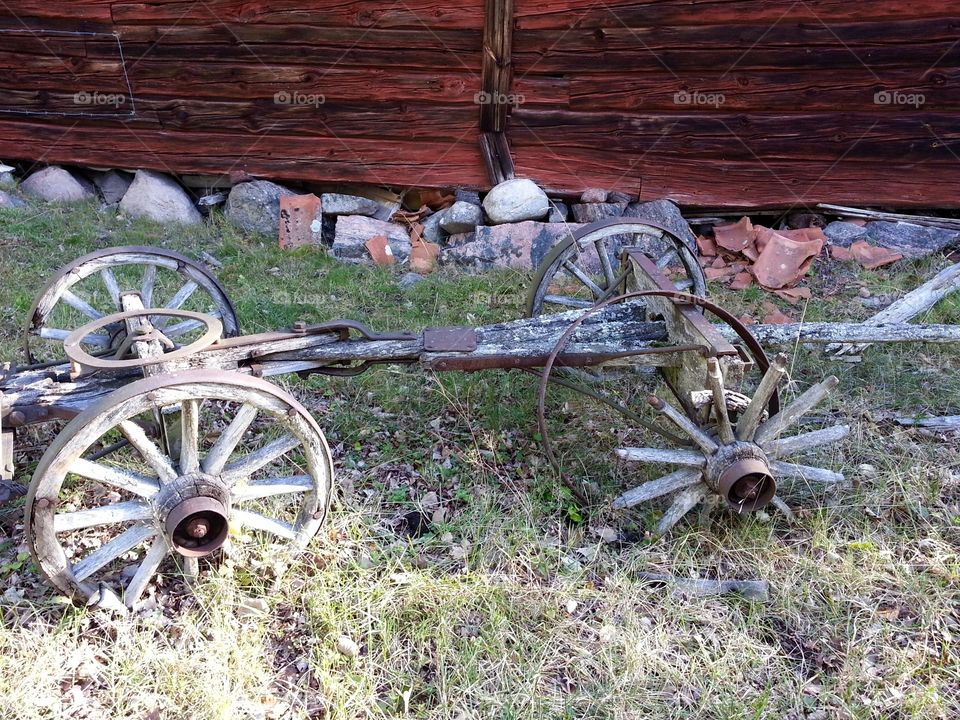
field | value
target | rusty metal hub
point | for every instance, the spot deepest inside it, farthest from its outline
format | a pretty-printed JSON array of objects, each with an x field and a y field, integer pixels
[
  {"x": 740, "y": 473},
  {"x": 194, "y": 513}
]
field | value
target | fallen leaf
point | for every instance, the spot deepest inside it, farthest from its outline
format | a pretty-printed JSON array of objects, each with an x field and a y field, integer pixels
[{"x": 347, "y": 647}]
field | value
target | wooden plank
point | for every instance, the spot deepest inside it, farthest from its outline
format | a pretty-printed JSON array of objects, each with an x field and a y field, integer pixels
[
  {"x": 783, "y": 89},
  {"x": 564, "y": 14},
  {"x": 440, "y": 162},
  {"x": 909, "y": 135},
  {"x": 495, "y": 102},
  {"x": 339, "y": 13}
]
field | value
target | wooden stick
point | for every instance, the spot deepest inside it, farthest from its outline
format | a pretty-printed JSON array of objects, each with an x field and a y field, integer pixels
[
  {"x": 768, "y": 384},
  {"x": 715, "y": 381},
  {"x": 948, "y": 422},
  {"x": 927, "y": 220},
  {"x": 655, "y": 488},
  {"x": 688, "y": 458},
  {"x": 910, "y": 305},
  {"x": 827, "y": 332},
  {"x": 786, "y": 417}
]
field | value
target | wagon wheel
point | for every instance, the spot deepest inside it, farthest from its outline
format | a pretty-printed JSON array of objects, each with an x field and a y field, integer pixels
[
  {"x": 731, "y": 447},
  {"x": 585, "y": 268},
  {"x": 253, "y": 469},
  {"x": 91, "y": 287}
]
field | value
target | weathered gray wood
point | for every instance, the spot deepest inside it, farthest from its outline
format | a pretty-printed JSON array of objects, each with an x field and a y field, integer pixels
[
  {"x": 151, "y": 561},
  {"x": 700, "y": 438},
  {"x": 799, "y": 407},
  {"x": 688, "y": 458},
  {"x": 189, "y": 436},
  {"x": 257, "y": 489},
  {"x": 804, "y": 472},
  {"x": 149, "y": 450},
  {"x": 798, "y": 443},
  {"x": 948, "y": 422},
  {"x": 780, "y": 505},
  {"x": 718, "y": 396},
  {"x": 685, "y": 501},
  {"x": 910, "y": 305},
  {"x": 747, "y": 424},
  {"x": 78, "y": 303},
  {"x": 116, "y": 477},
  {"x": 219, "y": 454},
  {"x": 825, "y": 332},
  {"x": 655, "y": 488},
  {"x": 927, "y": 220},
  {"x": 249, "y": 464},
  {"x": 110, "y": 283},
  {"x": 256, "y": 521},
  {"x": 758, "y": 590},
  {"x": 110, "y": 551},
  {"x": 104, "y": 515}
]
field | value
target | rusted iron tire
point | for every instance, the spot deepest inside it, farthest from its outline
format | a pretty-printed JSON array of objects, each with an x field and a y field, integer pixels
[
  {"x": 603, "y": 237},
  {"x": 153, "y": 492}
]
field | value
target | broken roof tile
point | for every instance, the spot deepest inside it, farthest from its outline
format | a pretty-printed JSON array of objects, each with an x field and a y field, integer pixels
[
  {"x": 783, "y": 261},
  {"x": 871, "y": 257},
  {"x": 741, "y": 281},
  {"x": 734, "y": 236}
]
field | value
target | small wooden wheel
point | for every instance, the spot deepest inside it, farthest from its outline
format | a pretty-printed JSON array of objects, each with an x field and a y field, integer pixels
[
  {"x": 248, "y": 464},
  {"x": 585, "y": 268},
  {"x": 189, "y": 322},
  {"x": 91, "y": 287}
]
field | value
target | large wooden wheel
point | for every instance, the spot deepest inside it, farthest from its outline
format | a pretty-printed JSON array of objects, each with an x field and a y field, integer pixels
[
  {"x": 585, "y": 268},
  {"x": 92, "y": 287},
  {"x": 249, "y": 468}
]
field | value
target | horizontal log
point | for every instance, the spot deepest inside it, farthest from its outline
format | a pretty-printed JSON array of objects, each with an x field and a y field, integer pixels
[
  {"x": 713, "y": 134},
  {"x": 440, "y": 162},
  {"x": 758, "y": 89},
  {"x": 565, "y": 14},
  {"x": 828, "y": 332},
  {"x": 342, "y": 13}
]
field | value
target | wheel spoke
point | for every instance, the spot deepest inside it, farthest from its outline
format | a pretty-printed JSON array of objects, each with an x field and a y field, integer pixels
[
  {"x": 110, "y": 283},
  {"x": 701, "y": 439},
  {"x": 688, "y": 458},
  {"x": 190, "y": 567},
  {"x": 269, "y": 487},
  {"x": 186, "y": 326},
  {"x": 786, "y": 417},
  {"x": 78, "y": 303},
  {"x": 715, "y": 381},
  {"x": 189, "y": 436},
  {"x": 780, "y": 505},
  {"x": 114, "y": 513},
  {"x": 182, "y": 295},
  {"x": 223, "y": 448},
  {"x": 108, "y": 552},
  {"x": 655, "y": 488},
  {"x": 149, "y": 450},
  {"x": 249, "y": 464},
  {"x": 608, "y": 273},
  {"x": 805, "y": 472},
  {"x": 256, "y": 521},
  {"x": 682, "y": 504},
  {"x": 117, "y": 477},
  {"x": 580, "y": 275},
  {"x": 146, "y": 288},
  {"x": 60, "y": 335},
  {"x": 798, "y": 443},
  {"x": 155, "y": 555},
  {"x": 768, "y": 384}
]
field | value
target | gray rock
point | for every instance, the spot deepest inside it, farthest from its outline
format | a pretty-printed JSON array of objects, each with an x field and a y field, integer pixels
[
  {"x": 255, "y": 206},
  {"x": 353, "y": 231},
  {"x": 469, "y": 196},
  {"x": 594, "y": 195},
  {"x": 559, "y": 212},
  {"x": 10, "y": 202},
  {"x": 461, "y": 238},
  {"x": 461, "y": 217},
  {"x": 159, "y": 198},
  {"x": 432, "y": 231},
  {"x": 591, "y": 212},
  {"x": 54, "y": 184},
  {"x": 113, "y": 185},
  {"x": 410, "y": 279},
  {"x": 665, "y": 213},
  {"x": 339, "y": 204},
  {"x": 7, "y": 180},
  {"x": 522, "y": 246},
  {"x": 515, "y": 201},
  {"x": 621, "y": 197},
  {"x": 912, "y": 241},
  {"x": 844, "y": 234}
]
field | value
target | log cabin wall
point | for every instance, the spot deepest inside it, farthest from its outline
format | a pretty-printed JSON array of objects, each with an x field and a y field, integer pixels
[{"x": 714, "y": 103}]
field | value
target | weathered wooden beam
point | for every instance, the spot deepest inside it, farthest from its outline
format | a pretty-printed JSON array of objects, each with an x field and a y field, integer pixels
[
  {"x": 827, "y": 332},
  {"x": 497, "y": 74}
]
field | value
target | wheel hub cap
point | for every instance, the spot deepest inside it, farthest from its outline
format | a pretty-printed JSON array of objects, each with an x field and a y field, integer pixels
[{"x": 194, "y": 512}]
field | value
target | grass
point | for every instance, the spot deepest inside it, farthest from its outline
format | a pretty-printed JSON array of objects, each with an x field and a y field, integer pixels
[{"x": 508, "y": 608}]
